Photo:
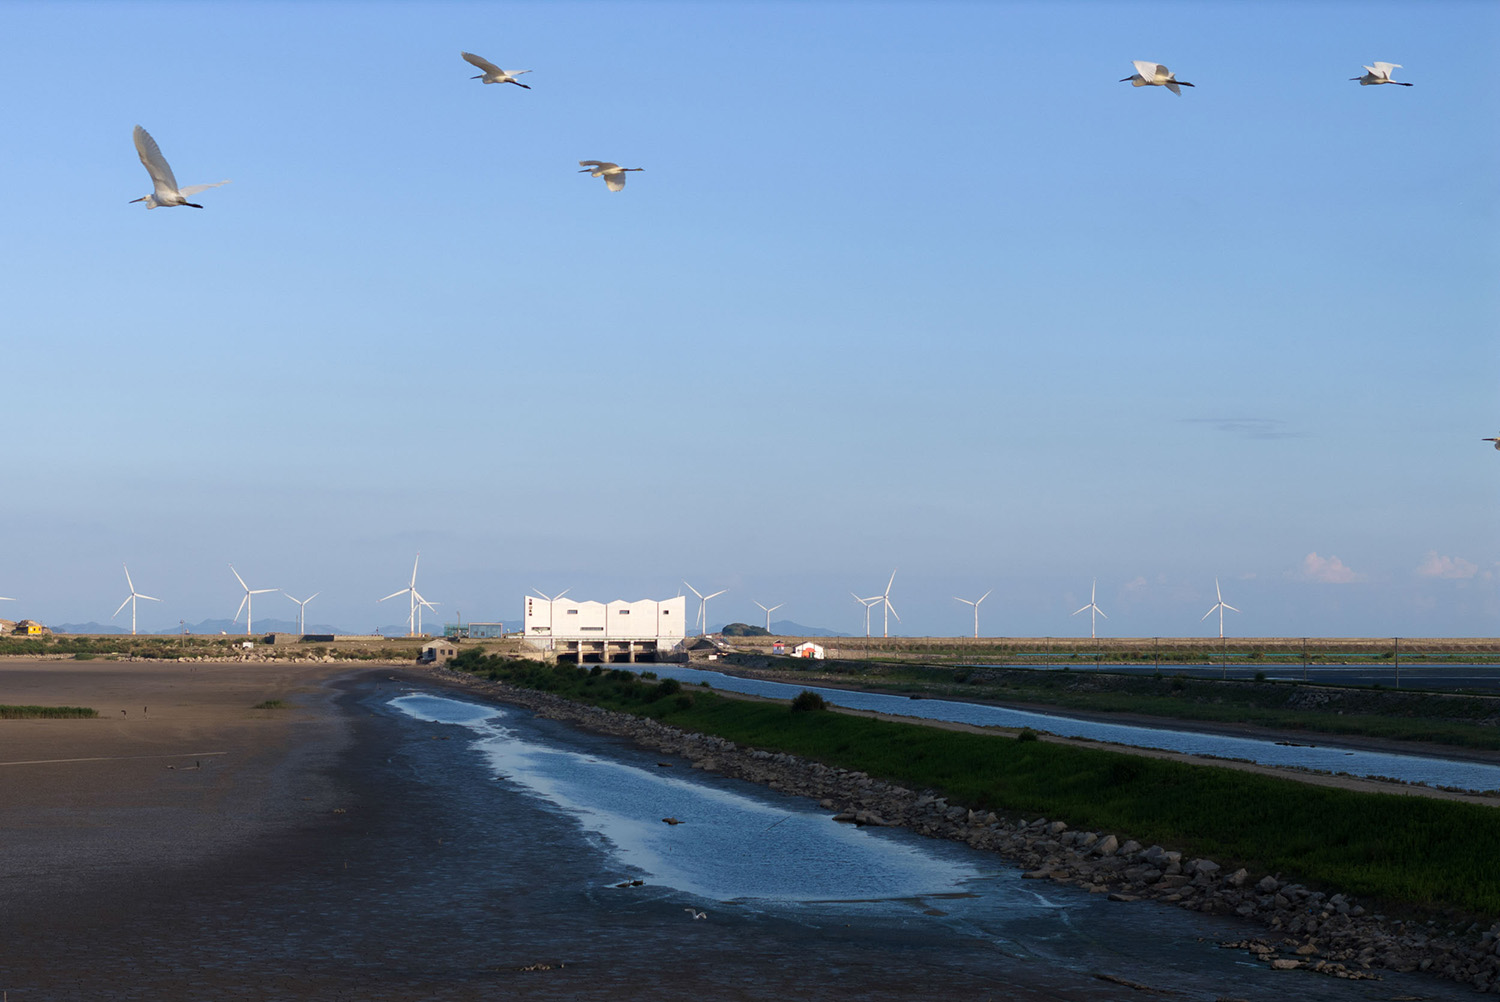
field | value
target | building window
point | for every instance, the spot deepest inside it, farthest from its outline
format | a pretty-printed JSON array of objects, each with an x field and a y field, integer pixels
[
  {"x": 572, "y": 612},
  {"x": 624, "y": 612}
]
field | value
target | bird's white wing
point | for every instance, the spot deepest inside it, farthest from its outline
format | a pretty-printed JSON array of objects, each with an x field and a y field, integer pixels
[
  {"x": 614, "y": 181},
  {"x": 601, "y": 164},
  {"x": 516, "y": 73},
  {"x": 1147, "y": 69},
  {"x": 481, "y": 62},
  {"x": 192, "y": 190},
  {"x": 1384, "y": 69},
  {"x": 154, "y": 162},
  {"x": 1172, "y": 86}
]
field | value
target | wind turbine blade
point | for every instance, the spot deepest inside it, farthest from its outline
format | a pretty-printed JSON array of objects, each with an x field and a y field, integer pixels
[
  {"x": 1230, "y": 607},
  {"x": 762, "y": 608},
  {"x": 984, "y": 596},
  {"x": 715, "y": 594},
  {"x": 778, "y": 605},
  {"x": 147, "y": 598},
  {"x": 893, "y": 610},
  {"x": 1100, "y": 611},
  {"x": 695, "y": 591},
  {"x": 262, "y": 591},
  {"x": 856, "y": 598},
  {"x": 238, "y": 578},
  {"x": 1084, "y": 609},
  {"x": 241, "y": 609},
  {"x": 393, "y": 594},
  {"x": 127, "y": 577},
  {"x": 414, "y": 569},
  {"x": 122, "y": 606},
  {"x": 890, "y": 582},
  {"x": 311, "y": 597},
  {"x": 963, "y": 600},
  {"x": 1208, "y": 613}
]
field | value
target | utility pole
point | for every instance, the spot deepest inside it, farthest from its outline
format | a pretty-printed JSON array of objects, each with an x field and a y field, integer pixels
[{"x": 1398, "y": 662}]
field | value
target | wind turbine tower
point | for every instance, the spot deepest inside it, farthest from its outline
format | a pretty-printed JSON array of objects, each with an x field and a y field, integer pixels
[
  {"x": 703, "y": 605},
  {"x": 975, "y": 604},
  {"x": 302, "y": 609},
  {"x": 890, "y": 610},
  {"x": 768, "y": 611},
  {"x": 1094, "y": 606},
  {"x": 1219, "y": 607},
  {"x": 414, "y": 618},
  {"x": 867, "y": 603},
  {"x": 245, "y": 603},
  {"x": 130, "y": 600}
]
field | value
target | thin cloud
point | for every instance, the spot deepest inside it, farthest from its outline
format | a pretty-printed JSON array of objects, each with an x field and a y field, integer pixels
[
  {"x": 1327, "y": 570},
  {"x": 1434, "y": 566},
  {"x": 1259, "y": 428}
]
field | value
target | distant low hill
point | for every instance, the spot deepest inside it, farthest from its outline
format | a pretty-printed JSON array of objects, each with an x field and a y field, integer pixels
[
  {"x": 787, "y": 628},
  {"x": 206, "y": 627}
]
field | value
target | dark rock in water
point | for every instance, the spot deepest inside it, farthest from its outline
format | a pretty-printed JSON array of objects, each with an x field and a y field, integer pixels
[{"x": 671, "y": 821}]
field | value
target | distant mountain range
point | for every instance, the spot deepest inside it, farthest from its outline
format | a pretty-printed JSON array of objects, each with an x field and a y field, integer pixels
[{"x": 211, "y": 627}]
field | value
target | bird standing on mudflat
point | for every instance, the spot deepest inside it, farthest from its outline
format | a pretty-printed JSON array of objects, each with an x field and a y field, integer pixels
[{"x": 167, "y": 193}]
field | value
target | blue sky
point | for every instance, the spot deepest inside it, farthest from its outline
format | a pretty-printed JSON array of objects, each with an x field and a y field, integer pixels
[{"x": 907, "y": 285}]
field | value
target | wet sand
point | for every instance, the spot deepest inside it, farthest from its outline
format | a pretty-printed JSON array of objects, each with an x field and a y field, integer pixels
[{"x": 177, "y": 770}]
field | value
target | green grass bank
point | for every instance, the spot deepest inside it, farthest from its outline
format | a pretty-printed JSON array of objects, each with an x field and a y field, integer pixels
[
  {"x": 1409, "y": 854},
  {"x": 8, "y": 712}
]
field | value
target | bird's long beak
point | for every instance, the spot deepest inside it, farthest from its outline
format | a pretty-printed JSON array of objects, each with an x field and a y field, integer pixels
[{"x": 135, "y": 200}]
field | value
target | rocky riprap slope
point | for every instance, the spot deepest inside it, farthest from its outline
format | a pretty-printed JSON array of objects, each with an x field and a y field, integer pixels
[{"x": 1328, "y": 933}]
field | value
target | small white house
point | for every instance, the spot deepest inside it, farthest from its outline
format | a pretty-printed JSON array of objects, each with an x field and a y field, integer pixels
[
  {"x": 437, "y": 652},
  {"x": 808, "y": 650}
]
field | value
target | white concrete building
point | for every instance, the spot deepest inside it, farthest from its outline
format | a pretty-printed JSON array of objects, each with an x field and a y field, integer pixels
[{"x": 615, "y": 630}]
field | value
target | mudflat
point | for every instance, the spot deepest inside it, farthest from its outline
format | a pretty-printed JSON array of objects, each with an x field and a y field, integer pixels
[{"x": 178, "y": 768}]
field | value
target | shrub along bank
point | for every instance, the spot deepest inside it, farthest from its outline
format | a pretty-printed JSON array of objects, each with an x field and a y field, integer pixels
[{"x": 1404, "y": 851}]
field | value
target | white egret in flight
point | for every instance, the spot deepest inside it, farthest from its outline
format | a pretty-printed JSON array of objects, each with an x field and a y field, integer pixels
[
  {"x": 1495, "y": 440},
  {"x": 1149, "y": 74},
  {"x": 493, "y": 73},
  {"x": 613, "y": 174},
  {"x": 1380, "y": 73},
  {"x": 167, "y": 192}
]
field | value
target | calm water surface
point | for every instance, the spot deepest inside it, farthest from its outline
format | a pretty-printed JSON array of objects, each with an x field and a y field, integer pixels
[{"x": 1433, "y": 771}]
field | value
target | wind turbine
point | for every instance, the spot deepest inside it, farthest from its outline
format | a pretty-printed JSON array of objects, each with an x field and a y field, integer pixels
[
  {"x": 1219, "y": 607},
  {"x": 130, "y": 600},
  {"x": 1093, "y": 606},
  {"x": 414, "y": 618},
  {"x": 703, "y": 605},
  {"x": 768, "y": 613},
  {"x": 867, "y": 603},
  {"x": 245, "y": 603},
  {"x": 302, "y": 608},
  {"x": 890, "y": 610},
  {"x": 975, "y": 604}
]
